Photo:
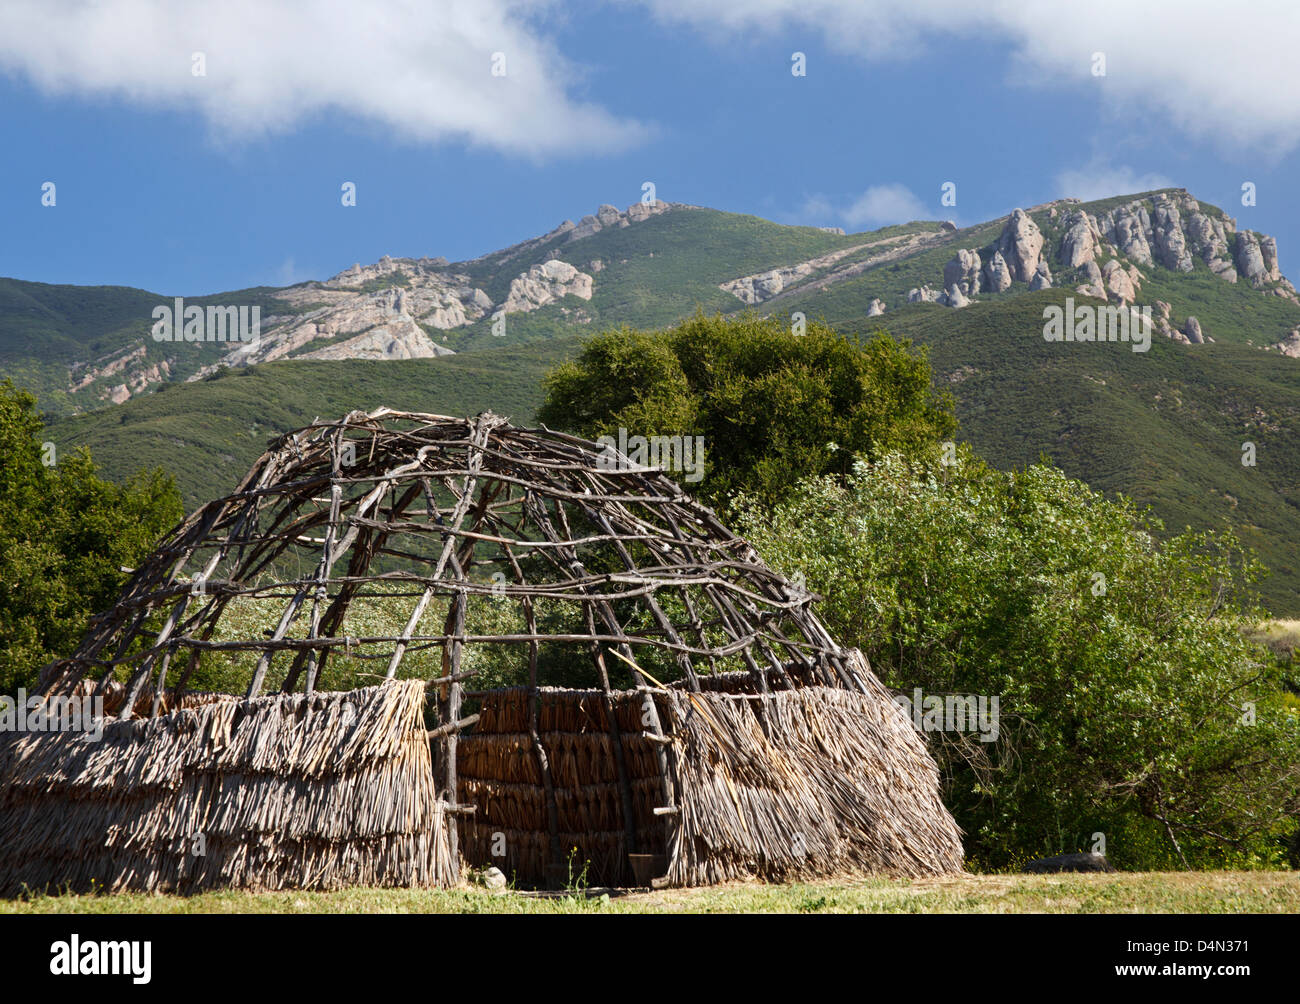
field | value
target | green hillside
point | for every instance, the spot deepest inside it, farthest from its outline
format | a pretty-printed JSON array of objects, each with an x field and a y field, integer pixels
[
  {"x": 208, "y": 433},
  {"x": 47, "y": 330},
  {"x": 1165, "y": 426}
]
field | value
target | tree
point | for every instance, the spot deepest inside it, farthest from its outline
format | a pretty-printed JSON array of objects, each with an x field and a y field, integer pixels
[
  {"x": 65, "y": 534},
  {"x": 772, "y": 407},
  {"x": 1131, "y": 701}
]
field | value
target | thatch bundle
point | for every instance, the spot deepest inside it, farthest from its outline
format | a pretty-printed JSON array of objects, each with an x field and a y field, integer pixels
[
  {"x": 807, "y": 782},
  {"x": 316, "y": 791}
]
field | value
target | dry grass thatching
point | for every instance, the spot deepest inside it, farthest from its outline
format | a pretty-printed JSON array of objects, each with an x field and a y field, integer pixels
[{"x": 289, "y": 791}]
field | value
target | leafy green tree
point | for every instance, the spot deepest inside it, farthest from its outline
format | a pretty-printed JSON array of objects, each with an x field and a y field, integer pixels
[
  {"x": 1132, "y": 702},
  {"x": 773, "y": 407},
  {"x": 65, "y": 534}
]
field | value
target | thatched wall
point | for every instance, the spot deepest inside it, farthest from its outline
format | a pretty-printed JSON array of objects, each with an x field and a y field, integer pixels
[
  {"x": 289, "y": 792},
  {"x": 799, "y": 783},
  {"x": 500, "y": 773},
  {"x": 803, "y": 783}
]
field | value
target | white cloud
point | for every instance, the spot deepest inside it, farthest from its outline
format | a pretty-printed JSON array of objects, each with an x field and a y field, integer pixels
[
  {"x": 1216, "y": 70},
  {"x": 878, "y": 206},
  {"x": 421, "y": 70},
  {"x": 882, "y": 205},
  {"x": 816, "y": 209},
  {"x": 1099, "y": 180}
]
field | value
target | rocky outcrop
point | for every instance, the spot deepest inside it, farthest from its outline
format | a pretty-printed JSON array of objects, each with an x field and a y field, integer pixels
[
  {"x": 399, "y": 338},
  {"x": 608, "y": 216},
  {"x": 1021, "y": 245},
  {"x": 924, "y": 294},
  {"x": 1081, "y": 241},
  {"x": 761, "y": 286},
  {"x": 1257, "y": 258},
  {"x": 997, "y": 274},
  {"x": 1288, "y": 346},
  {"x": 1042, "y": 277},
  {"x": 954, "y": 297},
  {"x": 1118, "y": 282},
  {"x": 1094, "y": 284},
  {"x": 875, "y": 308},
  {"x": 1192, "y": 329},
  {"x": 963, "y": 272},
  {"x": 544, "y": 284},
  {"x": 1169, "y": 243}
]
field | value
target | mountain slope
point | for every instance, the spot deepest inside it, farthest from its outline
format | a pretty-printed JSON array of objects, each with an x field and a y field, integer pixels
[{"x": 1165, "y": 426}]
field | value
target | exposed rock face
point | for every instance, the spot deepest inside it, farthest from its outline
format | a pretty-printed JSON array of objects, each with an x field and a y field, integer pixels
[
  {"x": 963, "y": 272},
  {"x": 1021, "y": 245},
  {"x": 1257, "y": 258},
  {"x": 608, "y": 216},
  {"x": 1081, "y": 241},
  {"x": 997, "y": 274},
  {"x": 400, "y": 338},
  {"x": 1095, "y": 285},
  {"x": 1169, "y": 243},
  {"x": 1042, "y": 277},
  {"x": 1268, "y": 248},
  {"x": 1290, "y": 345},
  {"x": 1118, "y": 283},
  {"x": 1127, "y": 228},
  {"x": 923, "y": 295},
  {"x": 754, "y": 289},
  {"x": 546, "y": 283},
  {"x": 1192, "y": 329},
  {"x": 954, "y": 297},
  {"x": 875, "y": 308}
]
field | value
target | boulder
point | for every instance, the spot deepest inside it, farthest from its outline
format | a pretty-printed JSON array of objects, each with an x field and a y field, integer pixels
[
  {"x": 875, "y": 308},
  {"x": 963, "y": 271},
  {"x": 1192, "y": 329},
  {"x": 997, "y": 274},
  {"x": 1117, "y": 282}
]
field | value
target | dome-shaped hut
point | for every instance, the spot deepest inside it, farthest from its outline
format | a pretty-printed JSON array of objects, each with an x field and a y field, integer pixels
[{"x": 409, "y": 641}]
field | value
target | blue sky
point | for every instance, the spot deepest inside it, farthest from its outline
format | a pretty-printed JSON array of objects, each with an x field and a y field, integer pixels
[{"x": 186, "y": 185}]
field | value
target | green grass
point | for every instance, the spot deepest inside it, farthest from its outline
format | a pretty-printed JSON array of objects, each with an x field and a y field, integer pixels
[{"x": 1138, "y": 892}]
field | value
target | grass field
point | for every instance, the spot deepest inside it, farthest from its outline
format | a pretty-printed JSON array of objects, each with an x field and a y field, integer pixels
[{"x": 1131, "y": 892}]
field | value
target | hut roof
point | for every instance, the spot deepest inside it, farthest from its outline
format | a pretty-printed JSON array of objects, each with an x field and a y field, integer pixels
[{"x": 439, "y": 510}]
